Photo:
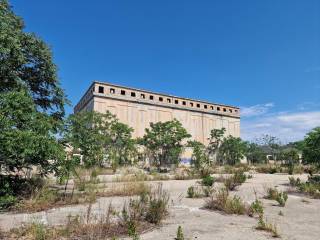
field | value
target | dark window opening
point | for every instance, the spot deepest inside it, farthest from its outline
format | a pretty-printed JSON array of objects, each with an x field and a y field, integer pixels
[
  {"x": 123, "y": 92},
  {"x": 176, "y": 101},
  {"x": 205, "y": 106},
  {"x": 168, "y": 100},
  {"x": 191, "y": 104},
  {"x": 112, "y": 91},
  {"x": 198, "y": 105},
  {"x": 211, "y": 107},
  {"x": 218, "y": 108},
  {"x": 101, "y": 89},
  {"x": 224, "y": 109},
  {"x": 151, "y": 97},
  {"x": 143, "y": 95},
  {"x": 184, "y": 103},
  {"x": 230, "y": 110},
  {"x": 133, "y": 94},
  {"x": 160, "y": 99}
]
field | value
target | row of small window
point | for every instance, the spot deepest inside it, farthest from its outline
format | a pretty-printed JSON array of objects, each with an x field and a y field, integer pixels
[{"x": 176, "y": 101}]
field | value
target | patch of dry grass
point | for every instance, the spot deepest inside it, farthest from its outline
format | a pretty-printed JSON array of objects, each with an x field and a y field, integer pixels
[
  {"x": 137, "y": 216},
  {"x": 221, "y": 201},
  {"x": 46, "y": 198},
  {"x": 125, "y": 189}
]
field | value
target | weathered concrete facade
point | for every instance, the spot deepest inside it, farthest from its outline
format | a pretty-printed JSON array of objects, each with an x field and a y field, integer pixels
[{"x": 138, "y": 108}]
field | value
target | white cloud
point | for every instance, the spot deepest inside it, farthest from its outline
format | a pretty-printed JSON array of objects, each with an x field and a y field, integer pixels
[
  {"x": 256, "y": 110},
  {"x": 308, "y": 105},
  {"x": 286, "y": 126}
]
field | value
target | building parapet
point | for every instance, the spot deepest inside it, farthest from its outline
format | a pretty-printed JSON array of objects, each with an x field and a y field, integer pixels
[{"x": 106, "y": 90}]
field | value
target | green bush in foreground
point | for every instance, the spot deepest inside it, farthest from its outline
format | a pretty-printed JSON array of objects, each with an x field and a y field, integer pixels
[
  {"x": 264, "y": 225},
  {"x": 179, "y": 234},
  {"x": 221, "y": 201},
  {"x": 7, "y": 201},
  {"x": 280, "y": 197},
  {"x": 235, "y": 180},
  {"x": 311, "y": 187},
  {"x": 208, "y": 181},
  {"x": 256, "y": 208}
]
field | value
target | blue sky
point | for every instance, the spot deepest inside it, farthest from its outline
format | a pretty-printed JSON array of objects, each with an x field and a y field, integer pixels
[{"x": 263, "y": 56}]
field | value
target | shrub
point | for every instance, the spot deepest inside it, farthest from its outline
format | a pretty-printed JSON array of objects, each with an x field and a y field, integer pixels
[
  {"x": 235, "y": 206},
  {"x": 256, "y": 207},
  {"x": 137, "y": 215},
  {"x": 125, "y": 189},
  {"x": 158, "y": 205},
  {"x": 280, "y": 197},
  {"x": 294, "y": 182},
  {"x": 310, "y": 189},
  {"x": 264, "y": 225},
  {"x": 314, "y": 179},
  {"x": 191, "y": 193},
  {"x": 179, "y": 234},
  {"x": 208, "y": 181},
  {"x": 270, "y": 169},
  {"x": 186, "y": 174},
  {"x": 223, "y": 202},
  {"x": 290, "y": 169},
  {"x": 272, "y": 193},
  {"x": 207, "y": 191},
  {"x": 13, "y": 188},
  {"x": 235, "y": 180},
  {"x": 34, "y": 230},
  {"x": 7, "y": 201},
  {"x": 217, "y": 200}
]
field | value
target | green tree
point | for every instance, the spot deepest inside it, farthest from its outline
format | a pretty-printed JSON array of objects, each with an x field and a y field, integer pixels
[
  {"x": 255, "y": 154},
  {"x": 291, "y": 157},
  {"x": 164, "y": 142},
  {"x": 120, "y": 146},
  {"x": 86, "y": 133},
  {"x": 66, "y": 168},
  {"x": 215, "y": 141},
  {"x": 311, "y": 147},
  {"x": 200, "y": 158},
  {"x": 100, "y": 137},
  {"x": 26, "y": 62},
  {"x": 273, "y": 143},
  {"x": 232, "y": 150},
  {"x": 27, "y": 136}
]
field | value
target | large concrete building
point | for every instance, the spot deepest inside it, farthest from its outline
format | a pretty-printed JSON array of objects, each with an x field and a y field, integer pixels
[{"x": 138, "y": 108}]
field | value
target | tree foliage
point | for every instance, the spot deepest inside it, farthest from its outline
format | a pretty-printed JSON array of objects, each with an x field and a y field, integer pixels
[
  {"x": 98, "y": 137},
  {"x": 164, "y": 141},
  {"x": 121, "y": 147},
  {"x": 232, "y": 150},
  {"x": 200, "y": 158},
  {"x": 271, "y": 142},
  {"x": 27, "y": 136},
  {"x": 26, "y": 62},
  {"x": 255, "y": 154},
  {"x": 215, "y": 140},
  {"x": 86, "y": 133},
  {"x": 311, "y": 147}
]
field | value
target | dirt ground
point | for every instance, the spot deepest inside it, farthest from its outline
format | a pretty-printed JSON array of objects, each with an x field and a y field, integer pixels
[{"x": 301, "y": 219}]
